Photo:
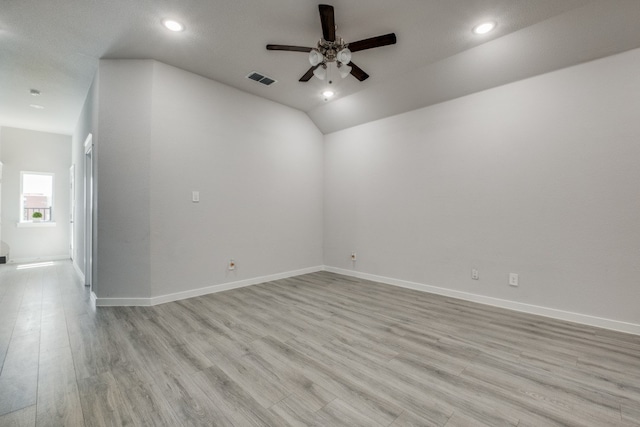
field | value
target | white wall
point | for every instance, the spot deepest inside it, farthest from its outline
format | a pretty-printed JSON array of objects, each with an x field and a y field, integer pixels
[
  {"x": 258, "y": 168},
  {"x": 27, "y": 150},
  {"x": 163, "y": 133},
  {"x": 123, "y": 182},
  {"x": 539, "y": 177}
]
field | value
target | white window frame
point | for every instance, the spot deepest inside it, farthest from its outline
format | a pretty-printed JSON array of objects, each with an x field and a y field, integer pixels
[{"x": 29, "y": 222}]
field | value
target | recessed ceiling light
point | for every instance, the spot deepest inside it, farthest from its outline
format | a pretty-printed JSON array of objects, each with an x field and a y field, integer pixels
[
  {"x": 172, "y": 25},
  {"x": 484, "y": 28},
  {"x": 34, "y": 92},
  {"x": 36, "y": 106},
  {"x": 327, "y": 93}
]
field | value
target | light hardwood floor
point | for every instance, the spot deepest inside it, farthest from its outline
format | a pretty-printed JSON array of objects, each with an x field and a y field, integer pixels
[{"x": 319, "y": 349}]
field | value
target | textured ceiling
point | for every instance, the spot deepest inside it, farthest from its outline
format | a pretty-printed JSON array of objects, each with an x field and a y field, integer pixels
[{"x": 55, "y": 46}]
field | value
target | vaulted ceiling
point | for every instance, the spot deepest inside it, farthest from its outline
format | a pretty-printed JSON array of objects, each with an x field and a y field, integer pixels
[{"x": 55, "y": 46}]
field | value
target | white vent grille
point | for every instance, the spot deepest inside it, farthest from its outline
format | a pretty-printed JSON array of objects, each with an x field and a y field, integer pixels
[{"x": 261, "y": 78}]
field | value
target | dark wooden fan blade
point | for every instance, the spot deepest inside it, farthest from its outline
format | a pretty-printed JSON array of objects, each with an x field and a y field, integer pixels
[
  {"x": 328, "y": 22},
  {"x": 385, "y": 40},
  {"x": 357, "y": 72},
  {"x": 307, "y": 76},
  {"x": 288, "y": 48}
]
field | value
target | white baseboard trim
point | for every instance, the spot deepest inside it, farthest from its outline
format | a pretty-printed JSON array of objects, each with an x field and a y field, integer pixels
[
  {"x": 94, "y": 299},
  {"x": 39, "y": 259},
  {"x": 584, "y": 319},
  {"x": 145, "y": 302},
  {"x": 122, "y": 302},
  {"x": 232, "y": 285},
  {"x": 78, "y": 272}
]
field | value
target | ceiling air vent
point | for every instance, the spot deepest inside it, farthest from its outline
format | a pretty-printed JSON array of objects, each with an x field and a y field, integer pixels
[{"x": 260, "y": 78}]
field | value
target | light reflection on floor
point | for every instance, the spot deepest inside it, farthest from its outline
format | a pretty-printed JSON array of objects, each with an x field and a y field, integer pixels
[{"x": 35, "y": 265}]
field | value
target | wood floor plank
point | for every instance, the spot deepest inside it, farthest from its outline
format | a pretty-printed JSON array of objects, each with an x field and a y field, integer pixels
[
  {"x": 90, "y": 356},
  {"x": 25, "y": 417},
  {"x": 313, "y": 350},
  {"x": 103, "y": 403},
  {"x": 54, "y": 334},
  {"x": 191, "y": 406},
  {"x": 58, "y": 400},
  {"x": 56, "y": 368},
  {"x": 148, "y": 407},
  {"x": 459, "y": 419},
  {"x": 630, "y": 414},
  {"x": 532, "y": 389},
  {"x": 335, "y": 382},
  {"x": 19, "y": 376},
  {"x": 18, "y": 392},
  {"x": 409, "y": 419},
  {"x": 300, "y": 387},
  {"x": 22, "y": 355},
  {"x": 398, "y": 386},
  {"x": 339, "y": 413},
  {"x": 235, "y": 401},
  {"x": 265, "y": 387},
  {"x": 59, "y": 406},
  {"x": 311, "y": 396},
  {"x": 293, "y": 412}
]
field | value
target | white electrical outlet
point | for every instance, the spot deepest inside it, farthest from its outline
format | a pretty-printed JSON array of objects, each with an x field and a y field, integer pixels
[
  {"x": 232, "y": 265},
  {"x": 474, "y": 274},
  {"x": 513, "y": 279},
  {"x": 353, "y": 256}
]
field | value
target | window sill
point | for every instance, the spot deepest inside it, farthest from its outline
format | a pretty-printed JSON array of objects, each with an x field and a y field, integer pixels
[{"x": 29, "y": 224}]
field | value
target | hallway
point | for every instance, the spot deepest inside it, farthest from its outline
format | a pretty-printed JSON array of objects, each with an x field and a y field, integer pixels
[{"x": 41, "y": 311}]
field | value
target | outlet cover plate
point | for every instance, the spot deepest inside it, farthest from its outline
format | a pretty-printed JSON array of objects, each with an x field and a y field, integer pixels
[{"x": 513, "y": 279}]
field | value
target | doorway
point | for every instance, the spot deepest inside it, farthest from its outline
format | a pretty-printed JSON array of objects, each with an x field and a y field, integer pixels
[
  {"x": 88, "y": 212},
  {"x": 72, "y": 210}
]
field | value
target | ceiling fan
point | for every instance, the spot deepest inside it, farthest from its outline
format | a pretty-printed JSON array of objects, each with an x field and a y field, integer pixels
[{"x": 330, "y": 49}]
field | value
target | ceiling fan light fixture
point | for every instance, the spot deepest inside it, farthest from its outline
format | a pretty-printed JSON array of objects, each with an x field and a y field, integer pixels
[
  {"x": 320, "y": 72},
  {"x": 173, "y": 25},
  {"x": 315, "y": 57},
  {"x": 344, "y": 56},
  {"x": 344, "y": 70},
  {"x": 484, "y": 28},
  {"x": 331, "y": 49},
  {"x": 328, "y": 93}
]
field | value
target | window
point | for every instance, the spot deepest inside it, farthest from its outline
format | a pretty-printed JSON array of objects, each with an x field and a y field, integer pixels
[{"x": 36, "y": 197}]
